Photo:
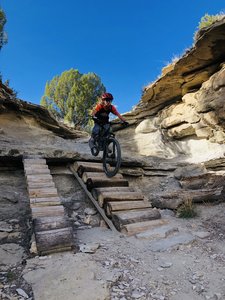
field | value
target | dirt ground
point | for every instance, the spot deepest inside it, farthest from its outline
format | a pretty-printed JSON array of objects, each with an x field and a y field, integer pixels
[{"x": 183, "y": 260}]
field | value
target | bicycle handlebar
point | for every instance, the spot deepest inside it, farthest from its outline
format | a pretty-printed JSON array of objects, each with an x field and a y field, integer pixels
[{"x": 124, "y": 123}]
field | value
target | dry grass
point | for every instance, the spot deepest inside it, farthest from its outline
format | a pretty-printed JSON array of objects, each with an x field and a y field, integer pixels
[{"x": 187, "y": 210}]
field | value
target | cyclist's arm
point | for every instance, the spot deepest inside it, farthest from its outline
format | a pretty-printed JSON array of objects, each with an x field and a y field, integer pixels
[{"x": 115, "y": 112}]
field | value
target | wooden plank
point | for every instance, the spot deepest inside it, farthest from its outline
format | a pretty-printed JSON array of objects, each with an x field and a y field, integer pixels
[
  {"x": 134, "y": 228},
  {"x": 60, "y": 170},
  {"x": 39, "y": 177},
  {"x": 49, "y": 201},
  {"x": 86, "y": 164},
  {"x": 119, "y": 196},
  {"x": 133, "y": 216},
  {"x": 125, "y": 205},
  {"x": 54, "y": 240},
  {"x": 49, "y": 223},
  {"x": 36, "y": 185},
  {"x": 96, "y": 191},
  {"x": 41, "y": 193},
  {"x": 47, "y": 211},
  {"x": 38, "y": 166},
  {"x": 98, "y": 182},
  {"x": 102, "y": 175},
  {"x": 95, "y": 203},
  {"x": 39, "y": 161},
  {"x": 37, "y": 171},
  {"x": 82, "y": 169}
]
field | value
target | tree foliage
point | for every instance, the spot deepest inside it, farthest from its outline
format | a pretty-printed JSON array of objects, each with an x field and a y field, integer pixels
[
  {"x": 3, "y": 36},
  {"x": 71, "y": 95}
]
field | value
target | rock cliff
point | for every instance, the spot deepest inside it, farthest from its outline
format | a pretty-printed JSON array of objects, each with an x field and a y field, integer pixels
[{"x": 181, "y": 114}]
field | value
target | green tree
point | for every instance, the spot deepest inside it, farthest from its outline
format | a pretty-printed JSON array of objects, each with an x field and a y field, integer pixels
[
  {"x": 3, "y": 36},
  {"x": 71, "y": 95}
]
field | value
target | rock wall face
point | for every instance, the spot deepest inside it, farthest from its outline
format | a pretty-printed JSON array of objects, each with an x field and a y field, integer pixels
[
  {"x": 181, "y": 115},
  {"x": 29, "y": 129}
]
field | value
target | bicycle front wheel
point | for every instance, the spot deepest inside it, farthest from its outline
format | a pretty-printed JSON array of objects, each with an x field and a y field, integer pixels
[{"x": 111, "y": 157}]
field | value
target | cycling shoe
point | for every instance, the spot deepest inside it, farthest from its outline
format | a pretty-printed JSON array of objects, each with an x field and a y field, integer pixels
[{"x": 94, "y": 151}]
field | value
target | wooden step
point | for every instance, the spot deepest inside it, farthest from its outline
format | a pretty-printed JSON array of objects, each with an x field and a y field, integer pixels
[
  {"x": 87, "y": 175},
  {"x": 38, "y": 185},
  {"x": 112, "y": 207},
  {"x": 49, "y": 223},
  {"x": 133, "y": 216},
  {"x": 37, "y": 171},
  {"x": 54, "y": 240},
  {"x": 51, "y": 228},
  {"x": 96, "y": 191},
  {"x": 43, "y": 192},
  {"x": 82, "y": 166},
  {"x": 38, "y": 177},
  {"x": 47, "y": 211},
  {"x": 105, "y": 197},
  {"x": 33, "y": 161},
  {"x": 39, "y": 166},
  {"x": 49, "y": 201},
  {"x": 105, "y": 182},
  {"x": 134, "y": 228}
]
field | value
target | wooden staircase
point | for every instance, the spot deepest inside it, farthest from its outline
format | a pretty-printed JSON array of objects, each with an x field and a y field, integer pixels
[
  {"x": 121, "y": 206},
  {"x": 51, "y": 227}
]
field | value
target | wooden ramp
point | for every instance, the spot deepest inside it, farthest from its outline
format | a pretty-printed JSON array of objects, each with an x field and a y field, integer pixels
[
  {"x": 51, "y": 227},
  {"x": 121, "y": 206}
]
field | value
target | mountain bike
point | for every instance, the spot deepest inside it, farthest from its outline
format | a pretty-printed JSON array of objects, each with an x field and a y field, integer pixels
[{"x": 105, "y": 141}]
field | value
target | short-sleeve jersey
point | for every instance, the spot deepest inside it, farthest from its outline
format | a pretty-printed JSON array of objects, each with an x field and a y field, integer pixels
[{"x": 103, "y": 114}]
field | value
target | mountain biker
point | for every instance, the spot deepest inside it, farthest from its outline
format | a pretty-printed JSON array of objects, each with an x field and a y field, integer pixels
[{"x": 100, "y": 114}]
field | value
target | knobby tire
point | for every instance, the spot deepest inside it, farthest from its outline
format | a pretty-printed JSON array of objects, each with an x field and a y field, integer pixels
[{"x": 111, "y": 170}]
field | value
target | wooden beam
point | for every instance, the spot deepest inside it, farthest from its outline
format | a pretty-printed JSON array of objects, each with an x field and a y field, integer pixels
[
  {"x": 134, "y": 216},
  {"x": 49, "y": 223},
  {"x": 43, "y": 192},
  {"x": 87, "y": 165},
  {"x": 134, "y": 228},
  {"x": 96, "y": 191},
  {"x": 87, "y": 175},
  {"x": 54, "y": 240},
  {"x": 98, "y": 182},
  {"x": 49, "y": 201},
  {"x": 47, "y": 211},
  {"x": 105, "y": 197},
  {"x": 125, "y": 205}
]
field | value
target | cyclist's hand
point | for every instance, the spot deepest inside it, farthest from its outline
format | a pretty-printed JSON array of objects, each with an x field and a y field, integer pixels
[{"x": 125, "y": 123}]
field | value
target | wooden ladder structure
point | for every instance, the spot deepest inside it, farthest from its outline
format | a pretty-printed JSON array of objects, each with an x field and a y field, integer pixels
[
  {"x": 51, "y": 227},
  {"x": 121, "y": 206}
]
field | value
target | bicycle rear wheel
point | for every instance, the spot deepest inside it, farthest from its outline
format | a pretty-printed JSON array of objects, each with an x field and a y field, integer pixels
[{"x": 111, "y": 157}]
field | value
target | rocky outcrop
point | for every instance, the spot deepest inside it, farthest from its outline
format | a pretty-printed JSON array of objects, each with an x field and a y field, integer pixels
[
  {"x": 29, "y": 129},
  {"x": 182, "y": 113},
  {"x": 35, "y": 113}
]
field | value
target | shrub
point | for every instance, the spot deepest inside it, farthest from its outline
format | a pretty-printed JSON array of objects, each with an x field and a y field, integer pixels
[
  {"x": 187, "y": 210},
  {"x": 208, "y": 20}
]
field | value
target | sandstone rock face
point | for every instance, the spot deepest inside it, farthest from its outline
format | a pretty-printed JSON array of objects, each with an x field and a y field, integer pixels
[{"x": 182, "y": 113}]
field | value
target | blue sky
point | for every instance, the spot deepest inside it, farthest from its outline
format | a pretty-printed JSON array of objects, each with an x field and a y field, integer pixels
[{"x": 125, "y": 42}]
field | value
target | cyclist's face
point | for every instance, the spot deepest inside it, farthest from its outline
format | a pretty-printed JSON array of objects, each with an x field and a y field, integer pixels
[{"x": 107, "y": 103}]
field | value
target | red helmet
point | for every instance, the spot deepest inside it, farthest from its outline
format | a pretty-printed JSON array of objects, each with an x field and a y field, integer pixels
[{"x": 107, "y": 96}]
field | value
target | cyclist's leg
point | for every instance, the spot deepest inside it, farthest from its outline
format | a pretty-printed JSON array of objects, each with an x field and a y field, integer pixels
[
  {"x": 106, "y": 128},
  {"x": 95, "y": 132}
]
